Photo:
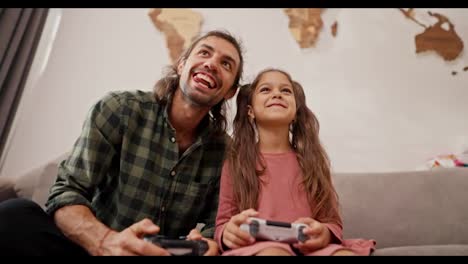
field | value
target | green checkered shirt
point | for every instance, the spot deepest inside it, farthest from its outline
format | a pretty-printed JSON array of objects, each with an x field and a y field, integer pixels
[{"x": 126, "y": 166}]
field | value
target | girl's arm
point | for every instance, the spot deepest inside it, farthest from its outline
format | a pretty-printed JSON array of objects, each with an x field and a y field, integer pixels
[
  {"x": 229, "y": 217},
  {"x": 227, "y": 207}
]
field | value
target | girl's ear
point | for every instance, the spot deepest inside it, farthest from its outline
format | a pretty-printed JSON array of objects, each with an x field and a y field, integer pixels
[{"x": 250, "y": 113}]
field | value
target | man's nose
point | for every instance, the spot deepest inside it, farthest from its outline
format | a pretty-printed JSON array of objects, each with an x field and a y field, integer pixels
[{"x": 210, "y": 64}]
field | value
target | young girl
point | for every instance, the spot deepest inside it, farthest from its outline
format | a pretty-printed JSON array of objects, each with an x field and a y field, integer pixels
[{"x": 277, "y": 169}]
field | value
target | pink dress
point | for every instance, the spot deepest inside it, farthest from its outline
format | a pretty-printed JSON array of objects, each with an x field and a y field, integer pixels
[{"x": 281, "y": 200}]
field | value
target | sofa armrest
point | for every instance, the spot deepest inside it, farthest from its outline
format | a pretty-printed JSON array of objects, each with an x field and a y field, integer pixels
[
  {"x": 7, "y": 190},
  {"x": 35, "y": 184}
]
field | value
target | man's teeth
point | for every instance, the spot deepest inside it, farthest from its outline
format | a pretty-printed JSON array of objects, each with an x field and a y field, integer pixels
[{"x": 207, "y": 79}]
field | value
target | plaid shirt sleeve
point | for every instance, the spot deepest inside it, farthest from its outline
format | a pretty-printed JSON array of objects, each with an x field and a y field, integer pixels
[{"x": 79, "y": 175}]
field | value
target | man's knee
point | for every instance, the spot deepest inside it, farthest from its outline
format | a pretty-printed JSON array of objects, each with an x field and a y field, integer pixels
[
  {"x": 18, "y": 205},
  {"x": 16, "y": 211}
]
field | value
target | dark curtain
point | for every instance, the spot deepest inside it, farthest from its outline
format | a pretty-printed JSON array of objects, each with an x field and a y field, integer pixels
[{"x": 20, "y": 31}]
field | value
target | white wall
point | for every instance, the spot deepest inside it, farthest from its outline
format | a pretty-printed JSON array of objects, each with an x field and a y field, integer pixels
[{"x": 381, "y": 106}]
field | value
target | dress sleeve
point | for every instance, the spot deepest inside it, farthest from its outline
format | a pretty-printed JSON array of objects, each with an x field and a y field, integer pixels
[{"x": 333, "y": 220}]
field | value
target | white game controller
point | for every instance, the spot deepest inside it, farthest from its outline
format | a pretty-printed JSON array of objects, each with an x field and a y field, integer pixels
[{"x": 263, "y": 229}]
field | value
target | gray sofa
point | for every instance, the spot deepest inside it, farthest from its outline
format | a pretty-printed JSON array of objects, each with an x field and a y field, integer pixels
[{"x": 407, "y": 213}]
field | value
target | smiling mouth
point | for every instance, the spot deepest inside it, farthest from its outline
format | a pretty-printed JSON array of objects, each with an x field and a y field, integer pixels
[
  {"x": 205, "y": 79},
  {"x": 280, "y": 105}
]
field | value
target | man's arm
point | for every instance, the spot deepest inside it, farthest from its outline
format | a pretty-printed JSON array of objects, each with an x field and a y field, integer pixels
[
  {"x": 80, "y": 225},
  {"x": 70, "y": 197},
  {"x": 91, "y": 156},
  {"x": 69, "y": 200}
]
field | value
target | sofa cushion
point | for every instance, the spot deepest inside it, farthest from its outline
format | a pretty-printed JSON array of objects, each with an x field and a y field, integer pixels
[
  {"x": 428, "y": 250},
  {"x": 405, "y": 208}
]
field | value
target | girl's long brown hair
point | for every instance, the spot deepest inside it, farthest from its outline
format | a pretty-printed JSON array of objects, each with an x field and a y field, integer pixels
[{"x": 246, "y": 165}]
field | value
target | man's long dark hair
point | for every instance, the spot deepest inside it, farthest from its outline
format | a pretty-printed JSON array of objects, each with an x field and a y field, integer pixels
[{"x": 167, "y": 85}]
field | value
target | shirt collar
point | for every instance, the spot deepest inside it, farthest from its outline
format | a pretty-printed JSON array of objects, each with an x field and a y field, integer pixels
[{"x": 203, "y": 130}]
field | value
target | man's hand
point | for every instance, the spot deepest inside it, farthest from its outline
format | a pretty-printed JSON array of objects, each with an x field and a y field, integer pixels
[
  {"x": 79, "y": 224},
  {"x": 130, "y": 241},
  {"x": 213, "y": 249},
  {"x": 318, "y": 233},
  {"x": 233, "y": 236}
]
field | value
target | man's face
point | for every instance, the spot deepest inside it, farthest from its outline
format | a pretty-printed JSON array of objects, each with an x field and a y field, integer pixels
[{"x": 207, "y": 75}]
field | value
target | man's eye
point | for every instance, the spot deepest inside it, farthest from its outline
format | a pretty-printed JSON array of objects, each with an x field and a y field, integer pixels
[{"x": 227, "y": 65}]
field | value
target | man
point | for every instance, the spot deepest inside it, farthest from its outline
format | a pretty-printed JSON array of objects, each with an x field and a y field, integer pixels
[{"x": 145, "y": 163}]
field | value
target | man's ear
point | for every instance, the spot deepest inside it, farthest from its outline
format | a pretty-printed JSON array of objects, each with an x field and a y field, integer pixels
[
  {"x": 230, "y": 93},
  {"x": 180, "y": 66}
]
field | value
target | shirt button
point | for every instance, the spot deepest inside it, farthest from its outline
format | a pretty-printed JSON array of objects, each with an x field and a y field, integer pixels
[
  {"x": 173, "y": 139},
  {"x": 173, "y": 173},
  {"x": 163, "y": 208}
]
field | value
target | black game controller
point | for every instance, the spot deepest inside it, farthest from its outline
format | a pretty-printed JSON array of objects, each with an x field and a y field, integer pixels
[{"x": 179, "y": 247}]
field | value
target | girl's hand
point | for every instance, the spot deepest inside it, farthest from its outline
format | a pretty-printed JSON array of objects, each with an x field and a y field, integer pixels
[
  {"x": 233, "y": 236},
  {"x": 318, "y": 233}
]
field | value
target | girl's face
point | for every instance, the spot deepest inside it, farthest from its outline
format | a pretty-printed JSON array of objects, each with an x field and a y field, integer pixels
[{"x": 273, "y": 101}]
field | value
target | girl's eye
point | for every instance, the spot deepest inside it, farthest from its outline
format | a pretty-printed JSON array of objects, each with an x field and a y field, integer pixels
[
  {"x": 264, "y": 89},
  {"x": 286, "y": 90}
]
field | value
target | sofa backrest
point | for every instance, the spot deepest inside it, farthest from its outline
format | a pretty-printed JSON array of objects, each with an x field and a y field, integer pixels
[
  {"x": 405, "y": 208},
  {"x": 395, "y": 209}
]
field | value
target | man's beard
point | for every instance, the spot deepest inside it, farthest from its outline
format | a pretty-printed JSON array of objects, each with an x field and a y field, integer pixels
[{"x": 194, "y": 98}]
